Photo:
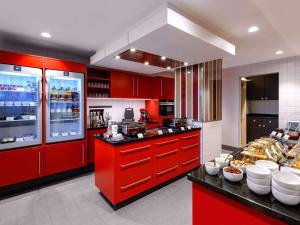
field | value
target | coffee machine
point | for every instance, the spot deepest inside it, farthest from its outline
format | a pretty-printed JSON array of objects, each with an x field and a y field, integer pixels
[{"x": 144, "y": 115}]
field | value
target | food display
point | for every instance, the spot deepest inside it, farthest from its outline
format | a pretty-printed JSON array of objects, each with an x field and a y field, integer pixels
[
  {"x": 232, "y": 174},
  {"x": 212, "y": 168},
  {"x": 232, "y": 169}
]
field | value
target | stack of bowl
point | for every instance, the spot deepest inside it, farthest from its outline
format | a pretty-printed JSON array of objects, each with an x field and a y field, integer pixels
[
  {"x": 286, "y": 187},
  {"x": 268, "y": 164},
  {"x": 259, "y": 179}
]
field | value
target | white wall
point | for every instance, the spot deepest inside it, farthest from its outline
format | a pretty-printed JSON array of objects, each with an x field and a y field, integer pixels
[
  {"x": 289, "y": 92},
  {"x": 117, "y": 107}
]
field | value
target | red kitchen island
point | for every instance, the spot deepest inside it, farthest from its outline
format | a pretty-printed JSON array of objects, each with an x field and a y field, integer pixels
[{"x": 129, "y": 169}]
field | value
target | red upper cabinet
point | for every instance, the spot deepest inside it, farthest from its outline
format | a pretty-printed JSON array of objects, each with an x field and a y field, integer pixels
[
  {"x": 163, "y": 88},
  {"x": 21, "y": 59},
  {"x": 56, "y": 64},
  {"x": 20, "y": 165},
  {"x": 122, "y": 85},
  {"x": 143, "y": 86}
]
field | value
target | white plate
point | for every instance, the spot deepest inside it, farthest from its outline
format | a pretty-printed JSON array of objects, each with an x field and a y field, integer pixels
[
  {"x": 268, "y": 164},
  {"x": 287, "y": 180},
  {"x": 285, "y": 199},
  {"x": 258, "y": 172},
  {"x": 258, "y": 189}
]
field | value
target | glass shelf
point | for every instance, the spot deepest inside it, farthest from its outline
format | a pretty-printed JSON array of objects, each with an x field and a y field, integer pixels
[
  {"x": 63, "y": 120},
  {"x": 18, "y": 91},
  {"x": 64, "y": 102}
]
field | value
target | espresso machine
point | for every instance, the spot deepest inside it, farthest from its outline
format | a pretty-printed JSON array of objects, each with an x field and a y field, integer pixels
[{"x": 144, "y": 117}]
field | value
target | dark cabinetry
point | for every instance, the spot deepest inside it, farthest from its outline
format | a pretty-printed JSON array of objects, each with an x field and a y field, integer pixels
[
  {"x": 265, "y": 87},
  {"x": 259, "y": 126}
]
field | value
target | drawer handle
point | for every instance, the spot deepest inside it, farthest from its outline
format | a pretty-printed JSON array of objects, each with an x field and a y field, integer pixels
[
  {"x": 167, "y": 154},
  {"x": 134, "y": 184},
  {"x": 167, "y": 171},
  {"x": 191, "y": 136},
  {"x": 125, "y": 166},
  {"x": 190, "y": 161},
  {"x": 135, "y": 149},
  {"x": 167, "y": 142},
  {"x": 190, "y": 146}
]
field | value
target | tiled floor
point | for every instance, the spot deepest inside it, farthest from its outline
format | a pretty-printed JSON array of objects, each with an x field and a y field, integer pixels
[{"x": 77, "y": 202}]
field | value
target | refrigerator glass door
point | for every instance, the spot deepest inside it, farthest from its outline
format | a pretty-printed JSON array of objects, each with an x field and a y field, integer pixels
[
  {"x": 65, "y": 106},
  {"x": 20, "y": 106}
]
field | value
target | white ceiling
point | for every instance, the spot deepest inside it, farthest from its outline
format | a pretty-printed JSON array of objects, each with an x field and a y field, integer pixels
[{"x": 90, "y": 25}]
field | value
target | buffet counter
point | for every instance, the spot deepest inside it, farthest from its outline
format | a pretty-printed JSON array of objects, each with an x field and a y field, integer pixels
[
  {"x": 219, "y": 201},
  {"x": 128, "y": 169}
]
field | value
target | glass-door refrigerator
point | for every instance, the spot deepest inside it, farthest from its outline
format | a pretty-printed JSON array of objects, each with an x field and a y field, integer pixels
[
  {"x": 64, "y": 106},
  {"x": 20, "y": 106}
]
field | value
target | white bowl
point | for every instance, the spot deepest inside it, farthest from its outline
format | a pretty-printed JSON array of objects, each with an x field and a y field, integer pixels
[
  {"x": 233, "y": 177},
  {"x": 243, "y": 168},
  {"x": 287, "y": 180},
  {"x": 211, "y": 168},
  {"x": 289, "y": 169},
  {"x": 284, "y": 198},
  {"x": 268, "y": 164},
  {"x": 284, "y": 190},
  {"x": 258, "y": 172},
  {"x": 258, "y": 189},
  {"x": 222, "y": 162},
  {"x": 225, "y": 155},
  {"x": 264, "y": 182}
]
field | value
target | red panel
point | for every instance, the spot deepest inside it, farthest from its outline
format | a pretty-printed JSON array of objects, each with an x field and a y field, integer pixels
[
  {"x": 207, "y": 203},
  {"x": 64, "y": 156},
  {"x": 56, "y": 64},
  {"x": 183, "y": 92},
  {"x": 20, "y": 165},
  {"x": 143, "y": 87},
  {"x": 21, "y": 59},
  {"x": 91, "y": 144},
  {"x": 157, "y": 88},
  {"x": 195, "y": 92},
  {"x": 122, "y": 85},
  {"x": 153, "y": 109},
  {"x": 167, "y": 88}
]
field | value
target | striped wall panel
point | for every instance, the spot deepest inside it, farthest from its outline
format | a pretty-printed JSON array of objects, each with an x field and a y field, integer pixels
[{"x": 198, "y": 91}]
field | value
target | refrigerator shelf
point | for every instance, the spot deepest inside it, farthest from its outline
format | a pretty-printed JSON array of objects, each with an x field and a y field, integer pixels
[
  {"x": 64, "y": 120},
  {"x": 16, "y": 123},
  {"x": 64, "y": 102},
  {"x": 18, "y": 91}
]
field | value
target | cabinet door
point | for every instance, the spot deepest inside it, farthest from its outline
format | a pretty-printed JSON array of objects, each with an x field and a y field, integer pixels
[
  {"x": 144, "y": 88},
  {"x": 20, "y": 165},
  {"x": 269, "y": 125},
  {"x": 255, "y": 88},
  {"x": 157, "y": 88},
  {"x": 168, "y": 88},
  {"x": 64, "y": 156},
  {"x": 91, "y": 144},
  {"x": 122, "y": 85},
  {"x": 254, "y": 128},
  {"x": 271, "y": 87}
]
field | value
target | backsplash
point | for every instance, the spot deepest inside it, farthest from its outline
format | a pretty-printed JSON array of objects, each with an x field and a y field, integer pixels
[
  {"x": 117, "y": 107},
  {"x": 263, "y": 107}
]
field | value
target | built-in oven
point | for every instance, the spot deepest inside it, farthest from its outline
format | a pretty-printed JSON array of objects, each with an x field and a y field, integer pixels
[{"x": 166, "y": 108}]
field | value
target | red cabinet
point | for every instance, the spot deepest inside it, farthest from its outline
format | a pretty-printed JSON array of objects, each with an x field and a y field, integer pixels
[
  {"x": 20, "y": 165},
  {"x": 64, "y": 156},
  {"x": 122, "y": 85},
  {"x": 164, "y": 88},
  {"x": 91, "y": 144},
  {"x": 123, "y": 171},
  {"x": 143, "y": 87}
]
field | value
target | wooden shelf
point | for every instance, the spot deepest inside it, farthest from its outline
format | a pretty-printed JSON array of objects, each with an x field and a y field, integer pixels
[{"x": 95, "y": 75}]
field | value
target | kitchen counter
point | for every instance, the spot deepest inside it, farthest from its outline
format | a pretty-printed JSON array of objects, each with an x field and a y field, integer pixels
[
  {"x": 149, "y": 135},
  {"x": 240, "y": 194},
  {"x": 96, "y": 128},
  {"x": 129, "y": 169}
]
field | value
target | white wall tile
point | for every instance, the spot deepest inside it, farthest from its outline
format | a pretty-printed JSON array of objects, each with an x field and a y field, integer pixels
[{"x": 289, "y": 92}]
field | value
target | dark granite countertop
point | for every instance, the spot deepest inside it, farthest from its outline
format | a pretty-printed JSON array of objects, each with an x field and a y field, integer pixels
[
  {"x": 149, "y": 135},
  {"x": 239, "y": 192},
  {"x": 96, "y": 128}
]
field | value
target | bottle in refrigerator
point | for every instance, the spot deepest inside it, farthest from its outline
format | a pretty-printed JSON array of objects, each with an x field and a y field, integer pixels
[
  {"x": 61, "y": 94},
  {"x": 53, "y": 94}
]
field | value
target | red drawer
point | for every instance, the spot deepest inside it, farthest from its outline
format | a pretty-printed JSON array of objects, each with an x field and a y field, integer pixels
[
  {"x": 129, "y": 150},
  {"x": 190, "y": 138},
  {"x": 189, "y": 159},
  {"x": 166, "y": 165},
  {"x": 134, "y": 175}
]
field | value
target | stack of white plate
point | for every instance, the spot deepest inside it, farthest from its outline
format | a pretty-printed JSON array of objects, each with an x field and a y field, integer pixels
[
  {"x": 286, "y": 187},
  {"x": 259, "y": 179}
]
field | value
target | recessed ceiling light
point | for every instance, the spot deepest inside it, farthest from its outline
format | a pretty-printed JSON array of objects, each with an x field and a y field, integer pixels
[
  {"x": 168, "y": 68},
  {"x": 117, "y": 57},
  {"x": 132, "y": 49},
  {"x": 279, "y": 52},
  {"x": 163, "y": 58},
  {"x": 186, "y": 64},
  {"x": 189, "y": 72},
  {"x": 253, "y": 29},
  {"x": 46, "y": 35},
  {"x": 146, "y": 63}
]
